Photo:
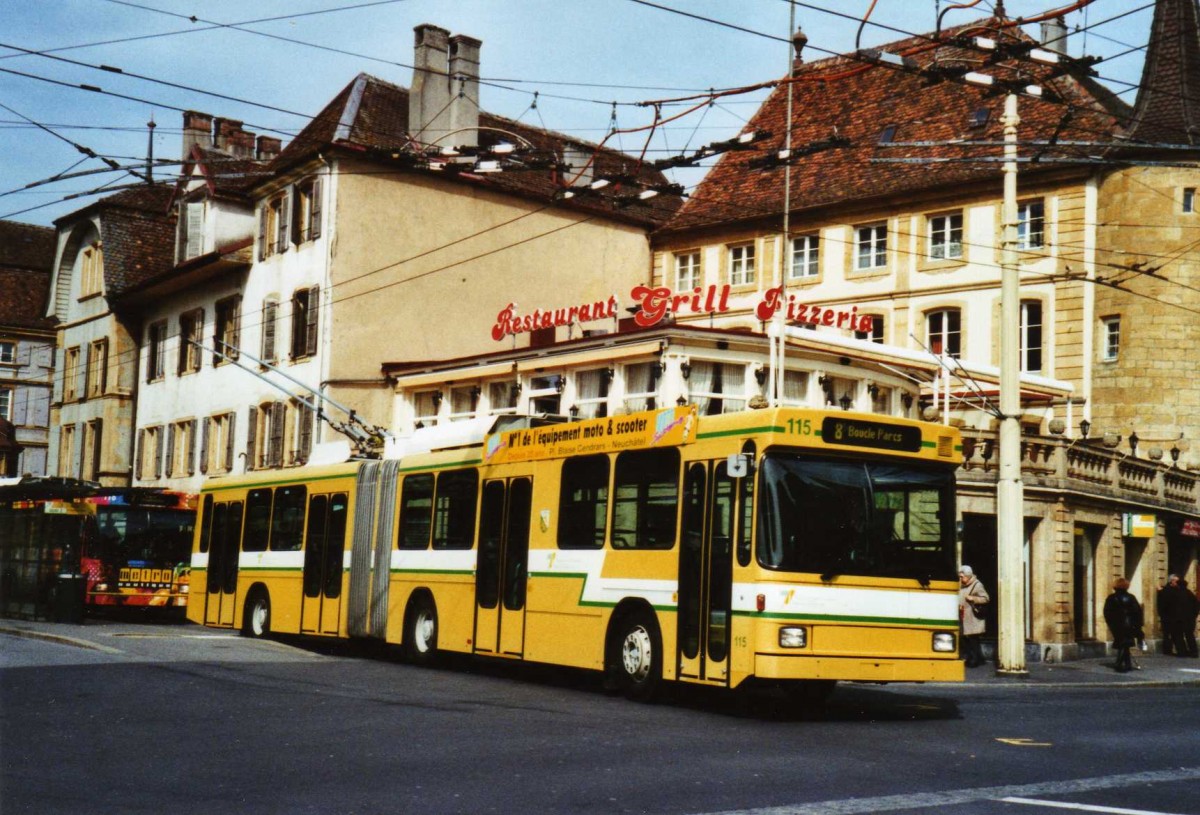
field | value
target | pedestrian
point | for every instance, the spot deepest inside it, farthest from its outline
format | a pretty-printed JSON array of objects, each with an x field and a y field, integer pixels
[
  {"x": 1191, "y": 610},
  {"x": 972, "y": 608},
  {"x": 1173, "y": 607},
  {"x": 1123, "y": 614}
]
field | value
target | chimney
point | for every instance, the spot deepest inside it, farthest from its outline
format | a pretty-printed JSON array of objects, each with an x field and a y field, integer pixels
[
  {"x": 1054, "y": 35},
  {"x": 578, "y": 168},
  {"x": 429, "y": 96},
  {"x": 464, "y": 89},
  {"x": 197, "y": 131},
  {"x": 268, "y": 148},
  {"x": 226, "y": 129}
]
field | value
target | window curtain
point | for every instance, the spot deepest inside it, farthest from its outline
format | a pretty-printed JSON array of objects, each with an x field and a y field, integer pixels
[
  {"x": 700, "y": 384},
  {"x": 637, "y": 384},
  {"x": 733, "y": 387},
  {"x": 587, "y": 393},
  {"x": 795, "y": 387}
]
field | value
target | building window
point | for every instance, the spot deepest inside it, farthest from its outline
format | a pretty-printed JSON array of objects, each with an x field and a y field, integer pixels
[
  {"x": 273, "y": 230},
  {"x": 66, "y": 451},
  {"x": 71, "y": 371},
  {"x": 806, "y": 259},
  {"x": 91, "y": 450},
  {"x": 1031, "y": 224},
  {"x": 8, "y": 353},
  {"x": 97, "y": 368},
  {"x": 426, "y": 405},
  {"x": 944, "y": 332},
  {"x": 870, "y": 247},
  {"x": 795, "y": 388},
  {"x": 156, "y": 356},
  {"x": 6, "y": 403},
  {"x": 715, "y": 387},
  {"x": 741, "y": 265},
  {"x": 502, "y": 397},
  {"x": 307, "y": 217},
  {"x": 91, "y": 279},
  {"x": 305, "y": 308},
  {"x": 687, "y": 271},
  {"x": 300, "y": 436},
  {"x": 226, "y": 329},
  {"x": 1189, "y": 199},
  {"x": 641, "y": 386},
  {"x": 191, "y": 337},
  {"x": 181, "y": 448},
  {"x": 270, "y": 311},
  {"x": 191, "y": 230},
  {"x": 1112, "y": 338},
  {"x": 266, "y": 435},
  {"x": 876, "y": 332},
  {"x": 1031, "y": 336},
  {"x": 545, "y": 394},
  {"x": 881, "y": 399},
  {"x": 945, "y": 236},
  {"x": 150, "y": 453},
  {"x": 591, "y": 393},
  {"x": 216, "y": 444},
  {"x": 463, "y": 401}
]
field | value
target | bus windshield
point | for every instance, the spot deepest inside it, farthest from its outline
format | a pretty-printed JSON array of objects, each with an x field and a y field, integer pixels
[
  {"x": 137, "y": 536},
  {"x": 839, "y": 517}
]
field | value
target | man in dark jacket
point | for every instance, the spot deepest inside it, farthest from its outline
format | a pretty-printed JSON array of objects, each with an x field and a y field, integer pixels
[
  {"x": 1123, "y": 614},
  {"x": 1191, "y": 610},
  {"x": 1173, "y": 607}
]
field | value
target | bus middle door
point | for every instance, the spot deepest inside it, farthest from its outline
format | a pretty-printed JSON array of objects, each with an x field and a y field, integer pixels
[
  {"x": 503, "y": 565},
  {"x": 324, "y": 559},
  {"x": 706, "y": 573},
  {"x": 223, "y": 553}
]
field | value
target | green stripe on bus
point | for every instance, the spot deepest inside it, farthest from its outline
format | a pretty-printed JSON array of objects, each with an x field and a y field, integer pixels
[
  {"x": 582, "y": 577},
  {"x": 431, "y": 571},
  {"x": 470, "y": 462},
  {"x": 846, "y": 618},
  {"x": 276, "y": 483},
  {"x": 741, "y": 431}
]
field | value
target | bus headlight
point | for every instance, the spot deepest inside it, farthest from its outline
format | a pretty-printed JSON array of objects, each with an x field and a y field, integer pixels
[
  {"x": 793, "y": 636},
  {"x": 943, "y": 642}
]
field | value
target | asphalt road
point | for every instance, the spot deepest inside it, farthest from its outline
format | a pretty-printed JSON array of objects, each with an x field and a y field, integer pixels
[{"x": 180, "y": 719}]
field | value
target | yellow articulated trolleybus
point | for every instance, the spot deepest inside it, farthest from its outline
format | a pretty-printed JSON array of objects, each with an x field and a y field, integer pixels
[{"x": 796, "y": 546}]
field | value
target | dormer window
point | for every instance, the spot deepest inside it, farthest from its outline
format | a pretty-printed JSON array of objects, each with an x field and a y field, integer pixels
[
  {"x": 980, "y": 118},
  {"x": 888, "y": 135},
  {"x": 191, "y": 230}
]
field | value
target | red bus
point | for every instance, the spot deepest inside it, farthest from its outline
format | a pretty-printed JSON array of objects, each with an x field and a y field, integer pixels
[{"x": 69, "y": 545}]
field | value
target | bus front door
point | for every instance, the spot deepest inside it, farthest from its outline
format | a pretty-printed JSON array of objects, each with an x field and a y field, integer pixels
[
  {"x": 502, "y": 567},
  {"x": 221, "y": 587},
  {"x": 706, "y": 573},
  {"x": 324, "y": 561}
]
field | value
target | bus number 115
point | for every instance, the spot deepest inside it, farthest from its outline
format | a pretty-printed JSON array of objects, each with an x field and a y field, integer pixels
[{"x": 801, "y": 427}]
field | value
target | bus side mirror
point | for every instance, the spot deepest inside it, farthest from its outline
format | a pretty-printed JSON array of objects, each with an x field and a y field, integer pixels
[{"x": 738, "y": 465}]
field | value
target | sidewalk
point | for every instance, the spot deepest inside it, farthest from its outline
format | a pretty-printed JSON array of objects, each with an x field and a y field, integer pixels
[{"x": 1156, "y": 670}]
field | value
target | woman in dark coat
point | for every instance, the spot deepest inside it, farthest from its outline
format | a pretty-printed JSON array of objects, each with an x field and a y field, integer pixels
[{"x": 1123, "y": 614}]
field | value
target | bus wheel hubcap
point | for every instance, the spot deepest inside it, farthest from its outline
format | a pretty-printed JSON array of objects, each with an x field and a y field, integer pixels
[
  {"x": 259, "y": 618},
  {"x": 636, "y": 654},
  {"x": 424, "y": 632}
]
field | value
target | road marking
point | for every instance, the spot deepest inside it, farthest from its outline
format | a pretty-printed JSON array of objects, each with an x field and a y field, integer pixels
[
  {"x": 1026, "y": 742},
  {"x": 1082, "y": 807},
  {"x": 929, "y": 800},
  {"x": 1190, "y": 670}
]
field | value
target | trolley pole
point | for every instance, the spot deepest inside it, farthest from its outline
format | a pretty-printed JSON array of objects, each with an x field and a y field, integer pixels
[{"x": 1010, "y": 523}]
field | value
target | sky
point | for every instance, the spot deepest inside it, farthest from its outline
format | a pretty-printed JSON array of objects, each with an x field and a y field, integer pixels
[{"x": 558, "y": 64}]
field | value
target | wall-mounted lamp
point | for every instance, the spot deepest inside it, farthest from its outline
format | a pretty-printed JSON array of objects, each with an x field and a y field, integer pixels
[
  {"x": 1133, "y": 443},
  {"x": 845, "y": 401},
  {"x": 873, "y": 389},
  {"x": 1174, "y": 451},
  {"x": 476, "y": 392},
  {"x": 685, "y": 368},
  {"x": 1084, "y": 427},
  {"x": 760, "y": 375},
  {"x": 906, "y": 399},
  {"x": 561, "y": 383},
  {"x": 437, "y": 399},
  {"x": 516, "y": 389},
  {"x": 608, "y": 375},
  {"x": 681, "y": 401},
  {"x": 574, "y": 411}
]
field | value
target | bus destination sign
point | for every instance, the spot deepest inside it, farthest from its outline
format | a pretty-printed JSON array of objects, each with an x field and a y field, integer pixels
[{"x": 855, "y": 432}]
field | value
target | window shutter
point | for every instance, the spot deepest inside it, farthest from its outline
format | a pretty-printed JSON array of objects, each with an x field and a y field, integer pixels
[
  {"x": 278, "y": 422},
  {"x": 314, "y": 229},
  {"x": 251, "y": 433},
  {"x": 77, "y": 445},
  {"x": 263, "y": 216},
  {"x": 97, "y": 447},
  {"x": 304, "y": 447},
  {"x": 139, "y": 454},
  {"x": 299, "y": 309},
  {"x": 104, "y": 367},
  {"x": 229, "y": 427},
  {"x": 235, "y": 331},
  {"x": 195, "y": 229},
  {"x": 310, "y": 328},
  {"x": 205, "y": 429},
  {"x": 285, "y": 211},
  {"x": 191, "y": 452},
  {"x": 268, "y": 336},
  {"x": 170, "y": 457},
  {"x": 181, "y": 363},
  {"x": 158, "y": 453}
]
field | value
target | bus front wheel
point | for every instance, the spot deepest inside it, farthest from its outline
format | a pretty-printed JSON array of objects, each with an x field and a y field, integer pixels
[
  {"x": 257, "y": 620},
  {"x": 420, "y": 632},
  {"x": 636, "y": 656}
]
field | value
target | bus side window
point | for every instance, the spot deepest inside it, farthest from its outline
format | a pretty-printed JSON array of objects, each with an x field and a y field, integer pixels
[
  {"x": 746, "y": 517},
  {"x": 287, "y": 519},
  {"x": 335, "y": 545},
  {"x": 416, "y": 512},
  {"x": 454, "y": 510},
  {"x": 583, "y": 503},
  {"x": 206, "y": 523},
  {"x": 645, "y": 499},
  {"x": 258, "y": 520}
]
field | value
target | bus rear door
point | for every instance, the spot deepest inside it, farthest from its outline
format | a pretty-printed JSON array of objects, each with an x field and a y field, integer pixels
[
  {"x": 502, "y": 568},
  {"x": 324, "y": 559},
  {"x": 221, "y": 594},
  {"x": 706, "y": 573}
]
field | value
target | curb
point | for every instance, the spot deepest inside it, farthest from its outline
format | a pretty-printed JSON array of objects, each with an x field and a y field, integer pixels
[{"x": 59, "y": 639}]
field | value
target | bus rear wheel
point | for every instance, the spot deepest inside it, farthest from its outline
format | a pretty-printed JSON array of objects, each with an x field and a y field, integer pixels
[
  {"x": 420, "y": 632},
  {"x": 635, "y": 656},
  {"x": 256, "y": 621}
]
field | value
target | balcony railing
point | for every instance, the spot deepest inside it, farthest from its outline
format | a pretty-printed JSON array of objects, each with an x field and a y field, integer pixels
[{"x": 1085, "y": 466}]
